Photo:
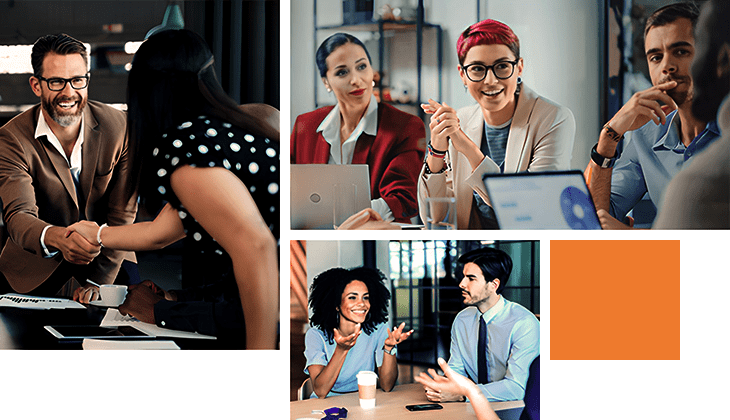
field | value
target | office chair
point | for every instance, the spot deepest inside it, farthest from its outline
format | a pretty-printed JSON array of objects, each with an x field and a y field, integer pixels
[{"x": 305, "y": 390}]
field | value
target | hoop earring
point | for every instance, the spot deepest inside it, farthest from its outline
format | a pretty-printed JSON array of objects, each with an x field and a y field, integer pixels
[{"x": 519, "y": 80}]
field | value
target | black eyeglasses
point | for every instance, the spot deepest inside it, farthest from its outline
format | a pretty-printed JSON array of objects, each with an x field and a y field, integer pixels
[
  {"x": 59, "y": 83},
  {"x": 476, "y": 72}
]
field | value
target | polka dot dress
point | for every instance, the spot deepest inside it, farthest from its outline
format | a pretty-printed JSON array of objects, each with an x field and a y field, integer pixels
[{"x": 212, "y": 142}]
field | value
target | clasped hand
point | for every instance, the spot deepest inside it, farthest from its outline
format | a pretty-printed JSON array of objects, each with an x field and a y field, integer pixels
[
  {"x": 85, "y": 228},
  {"x": 78, "y": 242},
  {"x": 141, "y": 299},
  {"x": 74, "y": 247},
  {"x": 444, "y": 126}
]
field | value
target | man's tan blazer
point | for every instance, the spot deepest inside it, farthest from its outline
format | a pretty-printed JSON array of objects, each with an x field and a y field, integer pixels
[{"x": 37, "y": 189}]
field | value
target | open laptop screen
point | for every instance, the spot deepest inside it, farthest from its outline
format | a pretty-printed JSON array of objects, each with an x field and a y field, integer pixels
[
  {"x": 323, "y": 196},
  {"x": 541, "y": 200}
]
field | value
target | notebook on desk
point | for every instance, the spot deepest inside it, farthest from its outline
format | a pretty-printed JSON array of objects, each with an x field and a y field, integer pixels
[
  {"x": 541, "y": 200},
  {"x": 323, "y": 196}
]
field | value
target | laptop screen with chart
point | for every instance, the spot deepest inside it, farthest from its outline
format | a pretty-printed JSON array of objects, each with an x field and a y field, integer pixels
[{"x": 541, "y": 200}]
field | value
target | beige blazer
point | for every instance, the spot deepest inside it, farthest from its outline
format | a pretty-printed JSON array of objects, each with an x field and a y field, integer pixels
[
  {"x": 37, "y": 189},
  {"x": 540, "y": 139}
]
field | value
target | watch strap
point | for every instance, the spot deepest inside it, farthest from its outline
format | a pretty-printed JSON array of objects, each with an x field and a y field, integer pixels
[{"x": 600, "y": 160}]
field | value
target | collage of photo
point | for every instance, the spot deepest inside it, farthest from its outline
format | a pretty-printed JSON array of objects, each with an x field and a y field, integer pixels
[{"x": 467, "y": 186}]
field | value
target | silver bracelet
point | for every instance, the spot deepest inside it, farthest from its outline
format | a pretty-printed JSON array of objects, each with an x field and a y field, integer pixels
[{"x": 98, "y": 234}]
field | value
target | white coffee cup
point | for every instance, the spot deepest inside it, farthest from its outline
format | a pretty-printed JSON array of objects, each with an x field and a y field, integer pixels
[
  {"x": 112, "y": 294},
  {"x": 366, "y": 383}
]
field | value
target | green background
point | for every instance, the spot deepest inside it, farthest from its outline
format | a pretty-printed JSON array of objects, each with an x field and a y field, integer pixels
[{"x": 243, "y": 384}]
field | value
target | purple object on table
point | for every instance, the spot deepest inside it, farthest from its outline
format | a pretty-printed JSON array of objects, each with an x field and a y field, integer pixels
[{"x": 335, "y": 413}]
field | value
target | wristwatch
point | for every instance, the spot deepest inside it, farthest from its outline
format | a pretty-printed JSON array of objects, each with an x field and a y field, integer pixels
[
  {"x": 602, "y": 161},
  {"x": 392, "y": 351}
]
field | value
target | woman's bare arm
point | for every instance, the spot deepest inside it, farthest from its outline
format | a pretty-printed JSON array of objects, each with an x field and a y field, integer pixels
[
  {"x": 222, "y": 205},
  {"x": 164, "y": 230}
]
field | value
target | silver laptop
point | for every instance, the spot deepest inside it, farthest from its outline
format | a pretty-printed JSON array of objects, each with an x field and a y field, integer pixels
[
  {"x": 541, "y": 200},
  {"x": 324, "y": 196}
]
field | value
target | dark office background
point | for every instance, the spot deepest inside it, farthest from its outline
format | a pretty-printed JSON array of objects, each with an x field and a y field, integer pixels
[{"x": 243, "y": 35}]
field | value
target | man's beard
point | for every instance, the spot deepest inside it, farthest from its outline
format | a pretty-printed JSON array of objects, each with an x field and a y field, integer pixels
[
  {"x": 472, "y": 301},
  {"x": 64, "y": 119}
]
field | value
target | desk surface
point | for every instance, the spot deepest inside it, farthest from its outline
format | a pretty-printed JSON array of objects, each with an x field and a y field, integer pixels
[{"x": 391, "y": 405}]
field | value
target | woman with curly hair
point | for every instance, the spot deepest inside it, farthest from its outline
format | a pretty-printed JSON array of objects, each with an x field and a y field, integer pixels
[{"x": 349, "y": 331}]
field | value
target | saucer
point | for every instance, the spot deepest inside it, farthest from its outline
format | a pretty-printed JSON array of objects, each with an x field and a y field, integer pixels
[{"x": 101, "y": 304}]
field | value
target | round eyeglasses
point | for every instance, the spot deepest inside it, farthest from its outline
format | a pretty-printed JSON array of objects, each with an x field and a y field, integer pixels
[
  {"x": 59, "y": 83},
  {"x": 476, "y": 72}
]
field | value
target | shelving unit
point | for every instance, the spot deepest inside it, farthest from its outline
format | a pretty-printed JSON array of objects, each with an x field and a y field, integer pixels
[{"x": 392, "y": 30}]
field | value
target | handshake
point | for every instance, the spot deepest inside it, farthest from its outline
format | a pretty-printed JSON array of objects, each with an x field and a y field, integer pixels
[{"x": 78, "y": 243}]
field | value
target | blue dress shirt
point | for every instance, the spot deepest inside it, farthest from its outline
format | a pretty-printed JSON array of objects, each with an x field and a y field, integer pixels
[
  {"x": 513, "y": 343},
  {"x": 653, "y": 156},
  {"x": 364, "y": 355}
]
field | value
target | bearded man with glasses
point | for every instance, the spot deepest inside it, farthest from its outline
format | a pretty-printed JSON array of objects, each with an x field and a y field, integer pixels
[{"x": 62, "y": 161}]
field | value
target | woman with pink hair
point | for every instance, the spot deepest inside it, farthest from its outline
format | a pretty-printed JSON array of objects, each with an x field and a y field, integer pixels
[{"x": 510, "y": 128}]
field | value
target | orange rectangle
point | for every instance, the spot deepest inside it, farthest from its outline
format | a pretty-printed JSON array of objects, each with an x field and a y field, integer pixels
[{"x": 614, "y": 300}]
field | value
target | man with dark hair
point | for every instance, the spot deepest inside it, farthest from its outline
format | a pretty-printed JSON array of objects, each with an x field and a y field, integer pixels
[
  {"x": 661, "y": 132},
  {"x": 61, "y": 161},
  {"x": 702, "y": 190},
  {"x": 493, "y": 340}
]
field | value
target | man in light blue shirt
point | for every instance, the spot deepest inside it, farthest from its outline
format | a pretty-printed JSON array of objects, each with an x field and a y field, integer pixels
[
  {"x": 662, "y": 134},
  {"x": 493, "y": 340}
]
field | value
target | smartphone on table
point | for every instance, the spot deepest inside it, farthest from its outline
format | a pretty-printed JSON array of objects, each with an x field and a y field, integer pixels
[{"x": 424, "y": 407}]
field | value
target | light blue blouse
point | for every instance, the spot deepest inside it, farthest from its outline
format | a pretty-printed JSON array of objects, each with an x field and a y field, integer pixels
[{"x": 366, "y": 354}]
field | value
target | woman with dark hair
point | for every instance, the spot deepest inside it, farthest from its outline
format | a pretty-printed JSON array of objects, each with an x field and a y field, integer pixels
[
  {"x": 346, "y": 303},
  {"x": 217, "y": 168},
  {"x": 359, "y": 130},
  {"x": 510, "y": 128}
]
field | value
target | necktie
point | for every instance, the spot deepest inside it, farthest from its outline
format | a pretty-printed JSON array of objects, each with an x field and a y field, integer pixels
[
  {"x": 482, "y": 353},
  {"x": 79, "y": 195}
]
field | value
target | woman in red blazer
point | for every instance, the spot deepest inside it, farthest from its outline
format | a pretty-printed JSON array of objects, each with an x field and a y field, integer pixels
[{"x": 358, "y": 130}]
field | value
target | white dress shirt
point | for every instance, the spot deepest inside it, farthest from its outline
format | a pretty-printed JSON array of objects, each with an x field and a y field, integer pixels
[
  {"x": 74, "y": 163},
  {"x": 341, "y": 153}
]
